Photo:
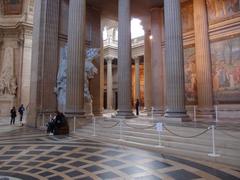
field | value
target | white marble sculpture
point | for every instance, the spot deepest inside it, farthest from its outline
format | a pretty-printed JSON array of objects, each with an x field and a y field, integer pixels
[
  {"x": 8, "y": 83},
  {"x": 60, "y": 90},
  {"x": 90, "y": 71}
]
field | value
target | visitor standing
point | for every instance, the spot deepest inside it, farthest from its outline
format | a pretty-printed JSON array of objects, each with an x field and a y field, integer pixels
[
  {"x": 137, "y": 107},
  {"x": 21, "y": 110},
  {"x": 13, "y": 115}
]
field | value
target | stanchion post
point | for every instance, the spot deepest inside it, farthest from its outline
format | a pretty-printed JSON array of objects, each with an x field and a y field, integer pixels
[
  {"x": 120, "y": 129},
  {"x": 74, "y": 124},
  {"x": 213, "y": 154},
  {"x": 194, "y": 113},
  {"x": 94, "y": 126},
  {"x": 216, "y": 112},
  {"x": 159, "y": 140},
  {"x": 152, "y": 113},
  {"x": 159, "y": 128}
]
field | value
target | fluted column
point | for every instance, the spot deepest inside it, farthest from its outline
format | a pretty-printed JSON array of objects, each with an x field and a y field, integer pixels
[
  {"x": 157, "y": 62},
  {"x": 174, "y": 60},
  {"x": 124, "y": 60},
  {"x": 44, "y": 61},
  {"x": 137, "y": 78},
  {"x": 76, "y": 55},
  {"x": 203, "y": 59},
  {"x": 147, "y": 72},
  {"x": 109, "y": 84}
]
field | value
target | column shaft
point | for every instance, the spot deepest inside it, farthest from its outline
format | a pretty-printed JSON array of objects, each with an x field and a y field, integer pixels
[
  {"x": 147, "y": 72},
  {"x": 44, "y": 60},
  {"x": 109, "y": 84},
  {"x": 76, "y": 57},
  {"x": 157, "y": 62},
  {"x": 137, "y": 78},
  {"x": 203, "y": 58},
  {"x": 124, "y": 60},
  {"x": 174, "y": 60}
]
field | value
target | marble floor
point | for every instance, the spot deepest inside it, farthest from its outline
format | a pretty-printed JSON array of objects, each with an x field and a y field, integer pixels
[{"x": 31, "y": 154}]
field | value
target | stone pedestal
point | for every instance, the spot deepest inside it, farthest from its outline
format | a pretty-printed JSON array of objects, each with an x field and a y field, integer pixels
[
  {"x": 88, "y": 109},
  {"x": 6, "y": 104}
]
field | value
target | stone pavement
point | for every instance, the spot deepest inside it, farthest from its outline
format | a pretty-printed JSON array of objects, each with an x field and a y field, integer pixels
[{"x": 27, "y": 153}]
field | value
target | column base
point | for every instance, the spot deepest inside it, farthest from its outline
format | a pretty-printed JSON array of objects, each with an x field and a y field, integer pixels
[
  {"x": 181, "y": 115},
  {"x": 125, "y": 114},
  {"x": 157, "y": 111},
  {"x": 206, "y": 113},
  {"x": 148, "y": 111},
  {"x": 79, "y": 121}
]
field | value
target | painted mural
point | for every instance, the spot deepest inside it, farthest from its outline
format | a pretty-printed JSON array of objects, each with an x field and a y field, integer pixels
[
  {"x": 12, "y": 7},
  {"x": 190, "y": 75},
  {"x": 226, "y": 70},
  {"x": 187, "y": 16},
  {"x": 220, "y": 9}
]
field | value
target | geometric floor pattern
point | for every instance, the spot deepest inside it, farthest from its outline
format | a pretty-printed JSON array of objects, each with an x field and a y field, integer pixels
[{"x": 30, "y": 154}]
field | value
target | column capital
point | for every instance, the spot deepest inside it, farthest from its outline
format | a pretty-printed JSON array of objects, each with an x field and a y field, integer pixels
[
  {"x": 137, "y": 59},
  {"x": 109, "y": 58}
]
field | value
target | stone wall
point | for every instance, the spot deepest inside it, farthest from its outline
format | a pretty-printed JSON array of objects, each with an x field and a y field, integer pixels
[
  {"x": 224, "y": 37},
  {"x": 15, "y": 53}
]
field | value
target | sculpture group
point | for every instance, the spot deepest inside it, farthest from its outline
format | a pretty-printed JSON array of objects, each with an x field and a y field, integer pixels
[
  {"x": 8, "y": 82},
  {"x": 90, "y": 71}
]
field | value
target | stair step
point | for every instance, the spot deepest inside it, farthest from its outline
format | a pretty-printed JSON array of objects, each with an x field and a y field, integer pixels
[{"x": 168, "y": 150}]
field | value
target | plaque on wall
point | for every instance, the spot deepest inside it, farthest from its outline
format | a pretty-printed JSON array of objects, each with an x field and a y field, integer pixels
[{"x": 12, "y": 7}]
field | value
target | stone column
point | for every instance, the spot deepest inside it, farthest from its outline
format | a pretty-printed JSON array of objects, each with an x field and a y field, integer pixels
[
  {"x": 137, "y": 78},
  {"x": 174, "y": 60},
  {"x": 147, "y": 72},
  {"x": 94, "y": 38},
  {"x": 157, "y": 62},
  {"x": 124, "y": 60},
  {"x": 203, "y": 59},
  {"x": 25, "y": 75},
  {"x": 44, "y": 60},
  {"x": 109, "y": 84},
  {"x": 76, "y": 58}
]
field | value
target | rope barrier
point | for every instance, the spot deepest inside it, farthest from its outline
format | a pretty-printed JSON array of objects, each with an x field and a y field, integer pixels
[
  {"x": 196, "y": 135},
  {"x": 142, "y": 128},
  {"x": 108, "y": 126}
]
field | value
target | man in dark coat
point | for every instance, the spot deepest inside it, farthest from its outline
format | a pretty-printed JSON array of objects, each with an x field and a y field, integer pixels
[
  {"x": 137, "y": 107},
  {"x": 21, "y": 110},
  {"x": 13, "y": 115}
]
